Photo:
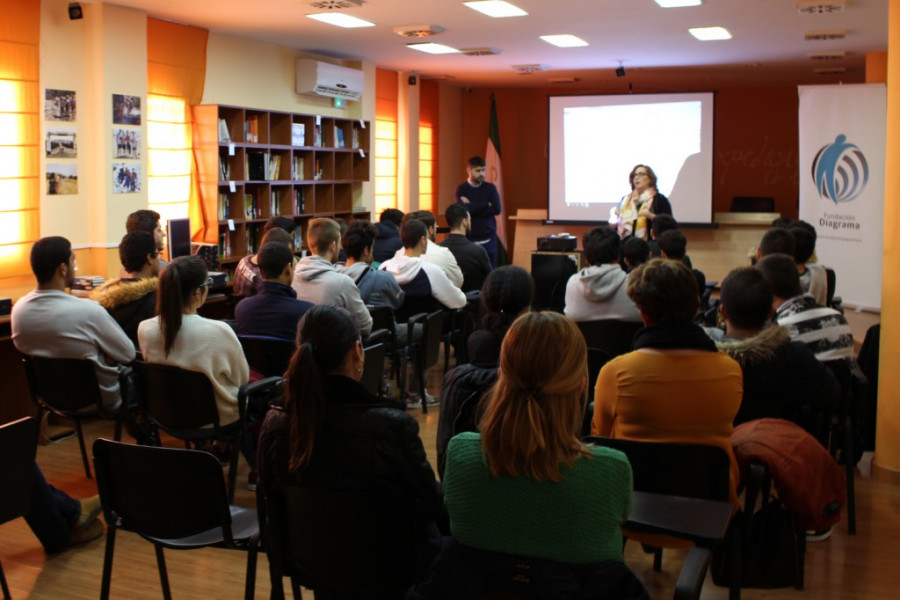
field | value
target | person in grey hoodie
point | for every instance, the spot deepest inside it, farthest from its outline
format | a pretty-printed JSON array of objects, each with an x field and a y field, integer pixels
[
  {"x": 598, "y": 291},
  {"x": 377, "y": 288},
  {"x": 317, "y": 280}
]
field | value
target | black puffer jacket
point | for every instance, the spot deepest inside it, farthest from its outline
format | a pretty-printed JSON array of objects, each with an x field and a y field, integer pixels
[
  {"x": 363, "y": 445},
  {"x": 387, "y": 243},
  {"x": 461, "y": 393}
]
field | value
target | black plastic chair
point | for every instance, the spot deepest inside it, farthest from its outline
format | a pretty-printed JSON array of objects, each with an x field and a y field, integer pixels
[
  {"x": 842, "y": 432},
  {"x": 832, "y": 301},
  {"x": 458, "y": 326},
  {"x": 383, "y": 318},
  {"x": 268, "y": 355},
  {"x": 424, "y": 352},
  {"x": 68, "y": 387},
  {"x": 174, "y": 499},
  {"x": 183, "y": 404},
  {"x": 687, "y": 470},
  {"x": 18, "y": 444},
  {"x": 342, "y": 545},
  {"x": 373, "y": 369},
  {"x": 610, "y": 335}
]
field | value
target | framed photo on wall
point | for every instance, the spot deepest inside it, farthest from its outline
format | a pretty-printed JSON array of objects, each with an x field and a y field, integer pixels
[
  {"x": 62, "y": 179},
  {"x": 126, "y": 178},
  {"x": 126, "y": 142},
  {"x": 126, "y": 109},
  {"x": 59, "y": 105},
  {"x": 60, "y": 143}
]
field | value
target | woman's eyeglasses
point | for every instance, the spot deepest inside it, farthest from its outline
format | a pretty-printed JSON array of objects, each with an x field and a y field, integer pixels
[{"x": 206, "y": 283}]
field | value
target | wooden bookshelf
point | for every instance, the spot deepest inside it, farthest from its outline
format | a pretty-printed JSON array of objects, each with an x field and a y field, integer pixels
[{"x": 254, "y": 164}]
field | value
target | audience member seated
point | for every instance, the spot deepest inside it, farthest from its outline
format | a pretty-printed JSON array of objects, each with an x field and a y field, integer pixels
[
  {"x": 148, "y": 221},
  {"x": 275, "y": 310},
  {"x": 598, "y": 291},
  {"x": 332, "y": 433},
  {"x": 673, "y": 245},
  {"x": 661, "y": 224},
  {"x": 782, "y": 378},
  {"x": 132, "y": 299},
  {"x": 388, "y": 240},
  {"x": 813, "y": 279},
  {"x": 318, "y": 281},
  {"x": 50, "y": 323},
  {"x": 419, "y": 278},
  {"x": 525, "y": 484},
  {"x": 507, "y": 293},
  {"x": 376, "y": 288},
  {"x": 636, "y": 251},
  {"x": 180, "y": 337},
  {"x": 435, "y": 254},
  {"x": 777, "y": 240},
  {"x": 472, "y": 258},
  {"x": 246, "y": 278},
  {"x": 824, "y": 330},
  {"x": 675, "y": 386},
  {"x": 59, "y": 521}
]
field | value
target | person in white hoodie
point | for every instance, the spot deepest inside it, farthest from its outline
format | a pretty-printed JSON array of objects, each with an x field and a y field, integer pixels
[
  {"x": 435, "y": 253},
  {"x": 317, "y": 280},
  {"x": 598, "y": 291}
]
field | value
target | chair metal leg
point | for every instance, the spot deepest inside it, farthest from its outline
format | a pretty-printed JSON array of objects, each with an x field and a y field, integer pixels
[
  {"x": 420, "y": 368},
  {"x": 801, "y": 558},
  {"x": 233, "y": 468},
  {"x": 851, "y": 471},
  {"x": 693, "y": 572},
  {"x": 163, "y": 573},
  {"x": 250, "y": 584},
  {"x": 117, "y": 434},
  {"x": 84, "y": 456},
  {"x": 3, "y": 586},
  {"x": 657, "y": 559},
  {"x": 108, "y": 561}
]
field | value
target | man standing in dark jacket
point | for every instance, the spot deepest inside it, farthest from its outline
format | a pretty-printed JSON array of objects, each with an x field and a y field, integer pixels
[{"x": 482, "y": 200}]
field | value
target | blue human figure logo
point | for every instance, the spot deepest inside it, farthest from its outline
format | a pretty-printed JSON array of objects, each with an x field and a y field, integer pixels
[{"x": 840, "y": 170}]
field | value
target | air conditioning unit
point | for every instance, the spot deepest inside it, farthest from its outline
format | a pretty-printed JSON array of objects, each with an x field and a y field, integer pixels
[{"x": 325, "y": 79}]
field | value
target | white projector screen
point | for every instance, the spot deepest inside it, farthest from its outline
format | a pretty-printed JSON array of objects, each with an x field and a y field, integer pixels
[{"x": 595, "y": 141}]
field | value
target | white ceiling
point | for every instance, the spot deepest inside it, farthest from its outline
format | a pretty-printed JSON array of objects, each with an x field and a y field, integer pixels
[{"x": 768, "y": 47}]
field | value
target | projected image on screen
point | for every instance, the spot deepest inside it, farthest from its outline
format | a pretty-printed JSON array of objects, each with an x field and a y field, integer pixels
[{"x": 595, "y": 141}]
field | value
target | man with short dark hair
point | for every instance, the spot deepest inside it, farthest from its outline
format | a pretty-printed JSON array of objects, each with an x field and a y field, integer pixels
[
  {"x": 636, "y": 251},
  {"x": 777, "y": 240},
  {"x": 673, "y": 245},
  {"x": 387, "y": 242},
  {"x": 50, "y": 323},
  {"x": 377, "y": 288},
  {"x": 435, "y": 254},
  {"x": 317, "y": 280},
  {"x": 599, "y": 290},
  {"x": 813, "y": 279},
  {"x": 472, "y": 259},
  {"x": 132, "y": 299},
  {"x": 782, "y": 378},
  {"x": 482, "y": 200},
  {"x": 824, "y": 330},
  {"x": 274, "y": 310}
]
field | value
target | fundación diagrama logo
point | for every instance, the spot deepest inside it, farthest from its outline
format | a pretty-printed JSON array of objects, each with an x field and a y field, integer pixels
[{"x": 840, "y": 171}]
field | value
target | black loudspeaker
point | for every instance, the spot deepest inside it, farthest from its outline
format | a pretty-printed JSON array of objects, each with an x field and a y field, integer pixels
[
  {"x": 620, "y": 72},
  {"x": 551, "y": 272},
  {"x": 75, "y": 11}
]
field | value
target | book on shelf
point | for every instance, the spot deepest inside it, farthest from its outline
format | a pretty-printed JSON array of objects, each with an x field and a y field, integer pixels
[
  {"x": 251, "y": 129},
  {"x": 298, "y": 134},
  {"x": 299, "y": 169},
  {"x": 318, "y": 135},
  {"x": 299, "y": 201},
  {"x": 355, "y": 138},
  {"x": 274, "y": 167},
  {"x": 224, "y": 244},
  {"x": 298, "y": 239},
  {"x": 251, "y": 207},
  {"x": 318, "y": 174},
  {"x": 339, "y": 136},
  {"x": 256, "y": 166},
  {"x": 274, "y": 203},
  {"x": 224, "y": 136},
  {"x": 224, "y": 168},
  {"x": 224, "y": 206}
]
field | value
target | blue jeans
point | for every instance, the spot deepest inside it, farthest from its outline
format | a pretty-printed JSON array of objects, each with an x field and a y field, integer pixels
[{"x": 53, "y": 513}]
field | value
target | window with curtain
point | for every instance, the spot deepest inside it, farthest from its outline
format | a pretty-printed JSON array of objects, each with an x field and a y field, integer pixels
[
  {"x": 385, "y": 140},
  {"x": 426, "y": 167},
  {"x": 20, "y": 182},
  {"x": 169, "y": 156}
]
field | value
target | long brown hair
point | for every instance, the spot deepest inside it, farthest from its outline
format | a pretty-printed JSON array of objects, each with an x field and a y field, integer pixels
[
  {"x": 176, "y": 284},
  {"x": 325, "y": 336},
  {"x": 534, "y": 412}
]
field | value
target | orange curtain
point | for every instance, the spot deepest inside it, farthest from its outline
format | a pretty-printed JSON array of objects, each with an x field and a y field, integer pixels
[
  {"x": 20, "y": 182},
  {"x": 176, "y": 67},
  {"x": 386, "y": 107}
]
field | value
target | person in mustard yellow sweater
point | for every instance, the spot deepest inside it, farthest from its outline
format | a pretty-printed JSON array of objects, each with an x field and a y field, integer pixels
[{"x": 675, "y": 386}]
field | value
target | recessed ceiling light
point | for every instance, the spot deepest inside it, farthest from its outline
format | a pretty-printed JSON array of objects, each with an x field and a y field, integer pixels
[
  {"x": 707, "y": 34},
  {"x": 564, "y": 40},
  {"x": 340, "y": 19},
  {"x": 432, "y": 48},
  {"x": 496, "y": 8},
  {"x": 678, "y": 3}
]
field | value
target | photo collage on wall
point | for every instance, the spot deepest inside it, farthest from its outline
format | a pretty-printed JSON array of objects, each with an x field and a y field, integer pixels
[
  {"x": 60, "y": 142},
  {"x": 126, "y": 144}
]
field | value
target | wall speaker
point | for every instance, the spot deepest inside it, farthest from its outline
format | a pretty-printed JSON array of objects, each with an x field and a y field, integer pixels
[
  {"x": 75, "y": 11},
  {"x": 620, "y": 71}
]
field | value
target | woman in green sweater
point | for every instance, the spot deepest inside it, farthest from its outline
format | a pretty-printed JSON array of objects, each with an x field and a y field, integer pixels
[{"x": 525, "y": 484}]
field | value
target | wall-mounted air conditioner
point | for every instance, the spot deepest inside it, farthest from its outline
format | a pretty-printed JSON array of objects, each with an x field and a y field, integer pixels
[{"x": 326, "y": 79}]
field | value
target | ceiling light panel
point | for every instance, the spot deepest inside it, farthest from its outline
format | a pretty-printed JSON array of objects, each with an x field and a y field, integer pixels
[
  {"x": 678, "y": 3},
  {"x": 709, "y": 34},
  {"x": 564, "y": 40},
  {"x": 340, "y": 20},
  {"x": 496, "y": 8},
  {"x": 432, "y": 48}
]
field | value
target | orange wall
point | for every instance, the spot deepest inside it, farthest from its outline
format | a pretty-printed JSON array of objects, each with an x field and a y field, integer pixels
[{"x": 755, "y": 144}]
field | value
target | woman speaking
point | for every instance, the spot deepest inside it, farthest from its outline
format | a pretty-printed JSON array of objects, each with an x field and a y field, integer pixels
[{"x": 638, "y": 208}]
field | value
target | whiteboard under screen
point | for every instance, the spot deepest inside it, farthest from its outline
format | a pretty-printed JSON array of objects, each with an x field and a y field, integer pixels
[{"x": 595, "y": 141}]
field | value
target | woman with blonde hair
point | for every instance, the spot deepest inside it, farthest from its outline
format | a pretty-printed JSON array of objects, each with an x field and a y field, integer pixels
[{"x": 525, "y": 484}]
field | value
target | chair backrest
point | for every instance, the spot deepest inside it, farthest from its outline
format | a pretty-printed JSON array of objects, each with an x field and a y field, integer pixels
[
  {"x": 382, "y": 317},
  {"x": 176, "y": 399},
  {"x": 610, "y": 335},
  {"x": 268, "y": 355},
  {"x": 346, "y": 543},
  {"x": 831, "y": 285},
  {"x": 597, "y": 357},
  {"x": 161, "y": 492},
  {"x": 373, "y": 369},
  {"x": 18, "y": 443},
  {"x": 431, "y": 337},
  {"x": 63, "y": 385},
  {"x": 413, "y": 305},
  {"x": 689, "y": 470}
]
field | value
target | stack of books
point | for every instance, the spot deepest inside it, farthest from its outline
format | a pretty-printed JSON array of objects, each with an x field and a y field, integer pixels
[{"x": 88, "y": 282}]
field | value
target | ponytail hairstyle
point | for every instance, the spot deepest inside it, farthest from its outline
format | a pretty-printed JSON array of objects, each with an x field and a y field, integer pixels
[
  {"x": 533, "y": 416},
  {"x": 177, "y": 283},
  {"x": 506, "y": 292},
  {"x": 325, "y": 337}
]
